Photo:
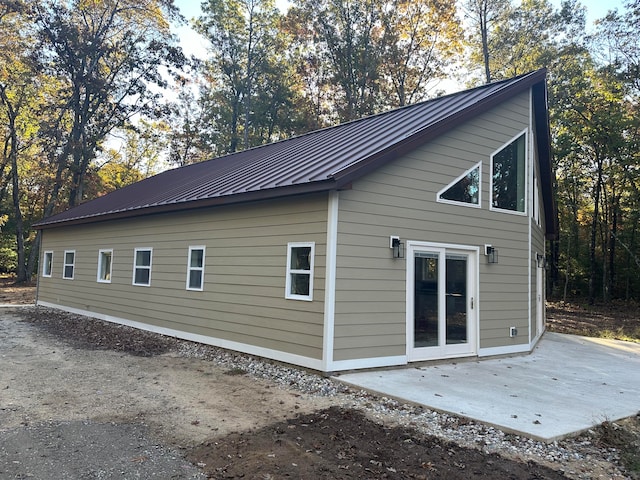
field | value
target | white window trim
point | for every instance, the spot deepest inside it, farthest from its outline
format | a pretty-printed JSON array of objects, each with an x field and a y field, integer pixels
[
  {"x": 135, "y": 256},
  {"x": 44, "y": 263},
  {"x": 65, "y": 265},
  {"x": 463, "y": 204},
  {"x": 201, "y": 269},
  {"x": 99, "y": 274},
  {"x": 291, "y": 296},
  {"x": 526, "y": 180}
]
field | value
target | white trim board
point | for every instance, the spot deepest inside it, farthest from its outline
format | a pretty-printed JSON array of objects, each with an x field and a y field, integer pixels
[
  {"x": 505, "y": 350},
  {"x": 330, "y": 282},
  {"x": 373, "y": 362},
  {"x": 307, "y": 362}
]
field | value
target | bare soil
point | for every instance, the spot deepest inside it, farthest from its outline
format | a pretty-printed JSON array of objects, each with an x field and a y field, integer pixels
[
  {"x": 10, "y": 293},
  {"x": 149, "y": 412}
]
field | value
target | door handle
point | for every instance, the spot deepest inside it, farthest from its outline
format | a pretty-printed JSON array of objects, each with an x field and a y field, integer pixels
[{"x": 471, "y": 303}]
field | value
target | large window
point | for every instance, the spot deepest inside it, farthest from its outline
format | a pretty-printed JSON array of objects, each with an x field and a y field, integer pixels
[
  {"x": 142, "y": 266},
  {"x": 47, "y": 264},
  {"x": 463, "y": 190},
  {"x": 195, "y": 269},
  {"x": 105, "y": 260},
  {"x": 299, "y": 284},
  {"x": 508, "y": 176},
  {"x": 69, "y": 264}
]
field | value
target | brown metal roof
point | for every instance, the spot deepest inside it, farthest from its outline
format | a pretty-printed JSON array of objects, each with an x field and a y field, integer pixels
[{"x": 317, "y": 161}]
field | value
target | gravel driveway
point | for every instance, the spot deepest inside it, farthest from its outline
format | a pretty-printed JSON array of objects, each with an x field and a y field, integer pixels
[
  {"x": 84, "y": 399},
  {"x": 74, "y": 413}
]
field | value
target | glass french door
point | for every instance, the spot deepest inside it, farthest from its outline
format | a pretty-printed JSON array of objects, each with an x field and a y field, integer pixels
[{"x": 440, "y": 303}]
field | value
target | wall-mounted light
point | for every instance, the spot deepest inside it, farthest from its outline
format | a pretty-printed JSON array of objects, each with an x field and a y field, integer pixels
[
  {"x": 491, "y": 253},
  {"x": 541, "y": 260},
  {"x": 396, "y": 246}
]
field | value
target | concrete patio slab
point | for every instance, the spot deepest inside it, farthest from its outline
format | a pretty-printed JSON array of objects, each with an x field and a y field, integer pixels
[{"x": 566, "y": 385}]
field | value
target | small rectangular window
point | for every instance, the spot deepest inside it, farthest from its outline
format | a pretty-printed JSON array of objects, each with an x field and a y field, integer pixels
[
  {"x": 195, "y": 268},
  {"x": 142, "y": 266},
  {"x": 69, "y": 264},
  {"x": 299, "y": 282},
  {"x": 47, "y": 264},
  {"x": 105, "y": 260}
]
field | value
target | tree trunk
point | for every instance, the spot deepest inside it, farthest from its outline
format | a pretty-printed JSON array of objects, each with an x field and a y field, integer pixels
[
  {"x": 21, "y": 273},
  {"x": 12, "y": 154},
  {"x": 485, "y": 46},
  {"x": 612, "y": 249},
  {"x": 594, "y": 232},
  {"x": 248, "y": 83},
  {"x": 34, "y": 255}
]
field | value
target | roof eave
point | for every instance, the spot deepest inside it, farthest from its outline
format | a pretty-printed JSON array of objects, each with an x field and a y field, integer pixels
[{"x": 237, "y": 198}]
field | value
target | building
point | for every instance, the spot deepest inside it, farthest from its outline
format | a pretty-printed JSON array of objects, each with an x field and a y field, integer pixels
[{"x": 411, "y": 235}]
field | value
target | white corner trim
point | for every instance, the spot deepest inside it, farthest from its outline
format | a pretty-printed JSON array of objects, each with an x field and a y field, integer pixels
[
  {"x": 330, "y": 281},
  {"x": 532, "y": 160},
  {"x": 373, "y": 362},
  {"x": 307, "y": 362},
  {"x": 505, "y": 350}
]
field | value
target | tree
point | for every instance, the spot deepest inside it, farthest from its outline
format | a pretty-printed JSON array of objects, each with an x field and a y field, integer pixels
[
  {"x": 141, "y": 153},
  {"x": 483, "y": 14},
  {"x": 107, "y": 54},
  {"x": 187, "y": 134},
  {"x": 245, "y": 37},
  {"x": 19, "y": 100},
  {"x": 516, "y": 40},
  {"x": 346, "y": 36},
  {"x": 420, "y": 40},
  {"x": 589, "y": 122}
]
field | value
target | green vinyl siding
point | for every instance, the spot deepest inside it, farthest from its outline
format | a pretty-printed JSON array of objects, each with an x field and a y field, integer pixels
[
  {"x": 400, "y": 199},
  {"x": 243, "y": 297}
]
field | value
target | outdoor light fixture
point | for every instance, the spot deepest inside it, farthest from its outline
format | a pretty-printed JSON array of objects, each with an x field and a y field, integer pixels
[
  {"x": 491, "y": 253},
  {"x": 542, "y": 260},
  {"x": 397, "y": 246}
]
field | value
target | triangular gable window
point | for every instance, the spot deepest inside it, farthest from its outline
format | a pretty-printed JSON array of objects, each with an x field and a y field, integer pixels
[{"x": 463, "y": 190}]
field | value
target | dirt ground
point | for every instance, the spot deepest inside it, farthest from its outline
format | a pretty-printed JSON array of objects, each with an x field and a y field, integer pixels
[
  {"x": 616, "y": 320},
  {"x": 86, "y": 399},
  {"x": 16, "y": 294}
]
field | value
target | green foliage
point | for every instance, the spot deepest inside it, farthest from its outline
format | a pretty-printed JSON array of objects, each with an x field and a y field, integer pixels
[
  {"x": 74, "y": 73},
  {"x": 246, "y": 90}
]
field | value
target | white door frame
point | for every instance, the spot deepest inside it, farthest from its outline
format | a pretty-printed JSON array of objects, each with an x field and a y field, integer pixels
[
  {"x": 540, "y": 300},
  {"x": 432, "y": 353}
]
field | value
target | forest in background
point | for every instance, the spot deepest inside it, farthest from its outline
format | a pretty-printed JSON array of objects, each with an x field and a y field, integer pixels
[{"x": 97, "y": 94}]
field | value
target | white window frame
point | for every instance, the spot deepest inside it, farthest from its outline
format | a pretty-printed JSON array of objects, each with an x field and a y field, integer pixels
[
  {"x": 524, "y": 132},
  {"x": 65, "y": 265},
  {"x": 136, "y": 266},
  {"x": 290, "y": 271},
  {"x": 200, "y": 269},
  {"x": 100, "y": 274},
  {"x": 536, "y": 200},
  {"x": 464, "y": 204},
  {"x": 47, "y": 272}
]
